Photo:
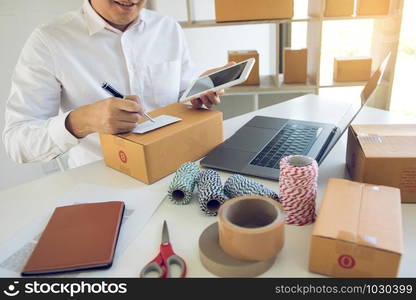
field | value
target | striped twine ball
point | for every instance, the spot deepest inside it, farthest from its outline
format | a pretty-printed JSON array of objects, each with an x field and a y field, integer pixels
[
  {"x": 211, "y": 195},
  {"x": 183, "y": 184},
  {"x": 298, "y": 185},
  {"x": 237, "y": 185}
]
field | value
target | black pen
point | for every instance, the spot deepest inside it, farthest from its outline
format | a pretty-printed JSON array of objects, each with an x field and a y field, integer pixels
[{"x": 115, "y": 93}]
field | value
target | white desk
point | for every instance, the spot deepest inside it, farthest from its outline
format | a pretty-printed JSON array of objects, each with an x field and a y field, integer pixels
[{"x": 22, "y": 204}]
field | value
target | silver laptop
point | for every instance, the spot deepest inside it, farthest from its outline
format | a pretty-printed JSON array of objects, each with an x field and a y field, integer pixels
[{"x": 257, "y": 147}]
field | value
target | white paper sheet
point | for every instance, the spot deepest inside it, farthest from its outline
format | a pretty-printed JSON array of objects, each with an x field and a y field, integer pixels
[
  {"x": 140, "y": 205},
  {"x": 160, "y": 121}
]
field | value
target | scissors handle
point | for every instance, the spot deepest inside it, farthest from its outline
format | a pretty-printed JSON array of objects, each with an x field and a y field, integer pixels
[
  {"x": 175, "y": 260},
  {"x": 163, "y": 261}
]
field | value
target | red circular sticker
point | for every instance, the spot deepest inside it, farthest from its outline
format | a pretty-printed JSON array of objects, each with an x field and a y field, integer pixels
[
  {"x": 123, "y": 156},
  {"x": 346, "y": 261}
]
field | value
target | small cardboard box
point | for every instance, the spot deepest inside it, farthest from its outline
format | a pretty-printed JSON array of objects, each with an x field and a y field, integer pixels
[
  {"x": 338, "y": 8},
  {"x": 358, "y": 232},
  {"x": 245, "y": 10},
  {"x": 151, "y": 156},
  {"x": 295, "y": 65},
  {"x": 240, "y": 55},
  {"x": 384, "y": 154},
  {"x": 373, "y": 7},
  {"x": 352, "y": 68}
]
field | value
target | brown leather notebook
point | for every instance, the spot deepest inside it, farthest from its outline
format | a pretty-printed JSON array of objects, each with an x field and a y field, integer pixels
[{"x": 77, "y": 237}]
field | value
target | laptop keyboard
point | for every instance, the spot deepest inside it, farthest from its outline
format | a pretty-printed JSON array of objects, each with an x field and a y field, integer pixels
[{"x": 292, "y": 139}]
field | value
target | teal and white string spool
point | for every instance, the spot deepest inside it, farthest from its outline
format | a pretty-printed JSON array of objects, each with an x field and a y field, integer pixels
[
  {"x": 211, "y": 195},
  {"x": 238, "y": 185},
  {"x": 183, "y": 184}
]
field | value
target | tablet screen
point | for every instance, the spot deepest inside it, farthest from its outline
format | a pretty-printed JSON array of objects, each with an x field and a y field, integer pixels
[{"x": 217, "y": 79}]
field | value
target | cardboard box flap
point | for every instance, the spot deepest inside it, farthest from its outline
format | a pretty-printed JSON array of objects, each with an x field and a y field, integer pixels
[
  {"x": 398, "y": 140},
  {"x": 336, "y": 217},
  {"x": 380, "y": 223},
  {"x": 388, "y": 146},
  {"x": 363, "y": 214},
  {"x": 189, "y": 117}
]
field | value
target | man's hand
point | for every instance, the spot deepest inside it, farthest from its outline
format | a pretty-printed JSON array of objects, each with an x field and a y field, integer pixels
[
  {"x": 111, "y": 115},
  {"x": 210, "y": 98}
]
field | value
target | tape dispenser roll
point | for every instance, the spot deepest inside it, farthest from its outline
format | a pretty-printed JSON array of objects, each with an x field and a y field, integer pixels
[{"x": 251, "y": 227}]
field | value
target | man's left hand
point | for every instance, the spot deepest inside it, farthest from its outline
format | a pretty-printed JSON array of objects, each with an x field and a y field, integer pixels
[{"x": 210, "y": 98}]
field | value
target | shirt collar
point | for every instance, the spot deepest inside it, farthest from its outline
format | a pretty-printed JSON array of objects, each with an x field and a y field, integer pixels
[{"x": 96, "y": 23}]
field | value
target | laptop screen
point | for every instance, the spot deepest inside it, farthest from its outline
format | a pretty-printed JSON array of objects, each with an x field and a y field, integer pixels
[{"x": 354, "y": 107}]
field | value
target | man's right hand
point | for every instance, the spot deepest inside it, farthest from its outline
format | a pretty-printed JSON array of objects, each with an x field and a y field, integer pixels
[{"x": 111, "y": 115}]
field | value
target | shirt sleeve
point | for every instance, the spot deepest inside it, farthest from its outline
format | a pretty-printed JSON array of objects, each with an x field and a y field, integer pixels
[
  {"x": 34, "y": 130},
  {"x": 188, "y": 70}
]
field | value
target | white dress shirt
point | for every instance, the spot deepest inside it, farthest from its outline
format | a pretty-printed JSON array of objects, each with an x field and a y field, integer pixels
[{"x": 62, "y": 66}]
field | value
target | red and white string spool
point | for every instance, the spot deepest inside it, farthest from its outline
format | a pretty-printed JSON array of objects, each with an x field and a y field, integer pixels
[{"x": 298, "y": 185}]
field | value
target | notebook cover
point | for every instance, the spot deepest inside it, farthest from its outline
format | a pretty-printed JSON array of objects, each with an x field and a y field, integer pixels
[{"x": 77, "y": 237}]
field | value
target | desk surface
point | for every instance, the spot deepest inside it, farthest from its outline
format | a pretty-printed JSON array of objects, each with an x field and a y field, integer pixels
[{"x": 22, "y": 204}]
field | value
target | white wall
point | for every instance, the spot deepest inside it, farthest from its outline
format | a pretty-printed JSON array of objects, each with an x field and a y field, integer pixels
[{"x": 18, "y": 18}]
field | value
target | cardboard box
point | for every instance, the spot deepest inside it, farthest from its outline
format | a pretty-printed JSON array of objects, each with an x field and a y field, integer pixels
[
  {"x": 240, "y": 55},
  {"x": 295, "y": 65},
  {"x": 338, "y": 8},
  {"x": 384, "y": 154},
  {"x": 151, "y": 156},
  {"x": 245, "y": 10},
  {"x": 373, "y": 7},
  {"x": 358, "y": 232},
  {"x": 356, "y": 68}
]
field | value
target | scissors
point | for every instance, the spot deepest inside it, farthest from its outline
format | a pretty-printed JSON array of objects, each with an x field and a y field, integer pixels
[{"x": 165, "y": 259}]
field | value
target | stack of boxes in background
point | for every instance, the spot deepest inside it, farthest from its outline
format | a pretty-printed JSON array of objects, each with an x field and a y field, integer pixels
[
  {"x": 339, "y": 8},
  {"x": 353, "y": 68}
]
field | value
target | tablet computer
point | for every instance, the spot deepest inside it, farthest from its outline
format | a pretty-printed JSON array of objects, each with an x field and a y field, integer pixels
[{"x": 219, "y": 80}]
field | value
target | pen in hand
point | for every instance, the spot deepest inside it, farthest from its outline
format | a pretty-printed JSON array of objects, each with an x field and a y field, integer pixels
[{"x": 115, "y": 93}]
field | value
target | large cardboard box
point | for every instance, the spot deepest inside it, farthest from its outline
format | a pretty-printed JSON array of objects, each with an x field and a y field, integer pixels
[
  {"x": 372, "y": 7},
  {"x": 245, "y": 10},
  {"x": 358, "y": 232},
  {"x": 295, "y": 65},
  {"x": 337, "y": 8},
  {"x": 151, "y": 156},
  {"x": 384, "y": 154},
  {"x": 356, "y": 68},
  {"x": 240, "y": 55}
]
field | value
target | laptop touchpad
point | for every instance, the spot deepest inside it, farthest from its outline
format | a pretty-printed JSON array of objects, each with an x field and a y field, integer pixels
[{"x": 250, "y": 139}]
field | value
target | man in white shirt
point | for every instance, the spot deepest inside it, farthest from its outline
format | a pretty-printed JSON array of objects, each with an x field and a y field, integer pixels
[{"x": 61, "y": 68}]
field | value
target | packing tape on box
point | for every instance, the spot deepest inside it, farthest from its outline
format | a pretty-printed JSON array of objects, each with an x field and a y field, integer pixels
[
  {"x": 238, "y": 185},
  {"x": 251, "y": 228},
  {"x": 183, "y": 184},
  {"x": 298, "y": 185},
  {"x": 216, "y": 261},
  {"x": 211, "y": 195}
]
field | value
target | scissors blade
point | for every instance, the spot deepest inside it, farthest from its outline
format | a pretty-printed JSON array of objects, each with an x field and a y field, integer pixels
[{"x": 165, "y": 233}]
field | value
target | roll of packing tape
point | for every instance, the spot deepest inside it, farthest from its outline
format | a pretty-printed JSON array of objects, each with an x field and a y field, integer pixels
[
  {"x": 216, "y": 261},
  {"x": 251, "y": 228},
  {"x": 211, "y": 195},
  {"x": 183, "y": 184},
  {"x": 238, "y": 185}
]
